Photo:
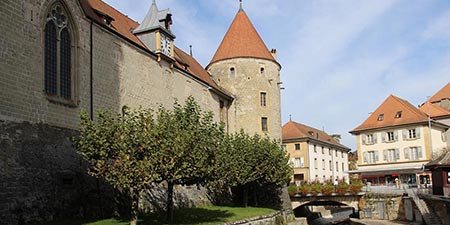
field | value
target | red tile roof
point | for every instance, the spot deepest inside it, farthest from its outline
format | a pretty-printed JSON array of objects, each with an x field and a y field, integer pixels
[
  {"x": 123, "y": 26},
  {"x": 389, "y": 109},
  {"x": 444, "y": 93},
  {"x": 241, "y": 41},
  {"x": 293, "y": 130},
  {"x": 434, "y": 110}
]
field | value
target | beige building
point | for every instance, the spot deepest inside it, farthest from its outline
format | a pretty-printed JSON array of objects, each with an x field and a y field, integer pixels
[
  {"x": 315, "y": 155},
  {"x": 396, "y": 142},
  {"x": 59, "y": 57}
]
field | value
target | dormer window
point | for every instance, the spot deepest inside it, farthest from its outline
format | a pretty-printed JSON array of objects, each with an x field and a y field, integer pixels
[
  {"x": 311, "y": 133},
  {"x": 381, "y": 117},
  {"x": 398, "y": 115}
]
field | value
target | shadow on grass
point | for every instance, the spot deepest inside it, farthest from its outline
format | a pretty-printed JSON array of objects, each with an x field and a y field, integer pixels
[
  {"x": 189, "y": 217},
  {"x": 192, "y": 216}
]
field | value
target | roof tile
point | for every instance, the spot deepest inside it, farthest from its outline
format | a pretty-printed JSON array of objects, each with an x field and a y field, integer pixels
[
  {"x": 444, "y": 93},
  {"x": 242, "y": 40},
  {"x": 389, "y": 110}
]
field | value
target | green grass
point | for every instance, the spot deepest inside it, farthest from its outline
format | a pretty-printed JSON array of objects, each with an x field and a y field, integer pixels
[{"x": 211, "y": 215}]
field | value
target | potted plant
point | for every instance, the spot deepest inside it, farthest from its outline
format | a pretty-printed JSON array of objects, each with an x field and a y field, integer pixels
[
  {"x": 292, "y": 190},
  {"x": 316, "y": 188},
  {"x": 342, "y": 188},
  {"x": 356, "y": 187},
  {"x": 327, "y": 189},
  {"x": 304, "y": 189}
]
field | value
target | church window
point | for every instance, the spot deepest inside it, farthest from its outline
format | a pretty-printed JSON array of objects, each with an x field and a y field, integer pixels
[{"x": 59, "y": 52}]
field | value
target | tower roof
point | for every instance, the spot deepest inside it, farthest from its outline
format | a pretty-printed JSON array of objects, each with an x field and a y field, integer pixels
[
  {"x": 393, "y": 111},
  {"x": 242, "y": 41},
  {"x": 155, "y": 19}
]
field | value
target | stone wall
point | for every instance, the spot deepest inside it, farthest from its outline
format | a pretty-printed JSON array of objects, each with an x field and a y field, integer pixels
[
  {"x": 381, "y": 207},
  {"x": 246, "y": 85},
  {"x": 42, "y": 178}
]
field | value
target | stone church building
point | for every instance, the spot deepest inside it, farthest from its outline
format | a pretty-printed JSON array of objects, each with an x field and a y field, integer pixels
[{"x": 58, "y": 57}]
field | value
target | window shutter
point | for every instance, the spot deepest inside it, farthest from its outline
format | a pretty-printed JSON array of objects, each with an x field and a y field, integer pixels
[
  {"x": 375, "y": 135},
  {"x": 397, "y": 153},
  {"x": 385, "y": 155},
  {"x": 383, "y": 137},
  {"x": 405, "y": 133},
  {"x": 376, "y": 156},
  {"x": 406, "y": 152},
  {"x": 419, "y": 152},
  {"x": 365, "y": 157},
  {"x": 418, "y": 132},
  {"x": 363, "y": 137},
  {"x": 396, "y": 135}
]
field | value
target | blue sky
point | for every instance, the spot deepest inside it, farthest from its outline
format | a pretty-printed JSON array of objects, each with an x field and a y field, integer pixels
[{"x": 340, "y": 58}]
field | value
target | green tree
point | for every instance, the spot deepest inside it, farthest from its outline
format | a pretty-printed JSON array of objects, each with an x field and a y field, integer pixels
[
  {"x": 248, "y": 161},
  {"x": 187, "y": 141},
  {"x": 119, "y": 149}
]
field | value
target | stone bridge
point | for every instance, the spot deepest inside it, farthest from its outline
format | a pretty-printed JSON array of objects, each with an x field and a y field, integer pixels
[{"x": 350, "y": 200}]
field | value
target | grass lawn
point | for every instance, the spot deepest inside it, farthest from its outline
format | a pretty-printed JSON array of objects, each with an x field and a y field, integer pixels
[{"x": 210, "y": 215}]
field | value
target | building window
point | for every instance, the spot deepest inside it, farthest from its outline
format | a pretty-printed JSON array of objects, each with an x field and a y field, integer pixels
[
  {"x": 59, "y": 54},
  {"x": 381, "y": 117},
  {"x": 261, "y": 70},
  {"x": 416, "y": 153},
  {"x": 342, "y": 154},
  {"x": 263, "y": 98},
  {"x": 329, "y": 151},
  {"x": 390, "y": 136},
  {"x": 299, "y": 162},
  {"x": 412, "y": 133},
  {"x": 343, "y": 167},
  {"x": 323, "y": 150},
  {"x": 336, "y": 153},
  {"x": 370, "y": 139},
  {"x": 337, "y": 166},
  {"x": 264, "y": 124},
  {"x": 232, "y": 72},
  {"x": 398, "y": 114},
  {"x": 370, "y": 157},
  {"x": 297, "y": 147},
  {"x": 330, "y": 165},
  {"x": 448, "y": 177},
  {"x": 323, "y": 164},
  {"x": 316, "y": 166}
]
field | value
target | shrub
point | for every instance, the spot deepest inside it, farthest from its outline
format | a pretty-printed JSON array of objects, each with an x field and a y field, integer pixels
[
  {"x": 327, "y": 189},
  {"x": 292, "y": 190},
  {"x": 342, "y": 187},
  {"x": 304, "y": 189},
  {"x": 356, "y": 187}
]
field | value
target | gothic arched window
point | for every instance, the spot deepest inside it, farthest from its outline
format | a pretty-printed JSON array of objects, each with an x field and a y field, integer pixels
[{"x": 59, "y": 52}]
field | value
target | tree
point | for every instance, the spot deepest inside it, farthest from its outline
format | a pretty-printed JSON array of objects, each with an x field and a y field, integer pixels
[
  {"x": 187, "y": 140},
  {"x": 119, "y": 149},
  {"x": 247, "y": 161}
]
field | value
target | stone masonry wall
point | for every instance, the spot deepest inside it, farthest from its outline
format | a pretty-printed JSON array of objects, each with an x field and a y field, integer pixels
[
  {"x": 42, "y": 177},
  {"x": 246, "y": 84}
]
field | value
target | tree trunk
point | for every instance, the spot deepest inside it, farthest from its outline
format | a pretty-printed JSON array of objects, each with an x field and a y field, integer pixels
[
  {"x": 170, "y": 202},
  {"x": 245, "y": 197},
  {"x": 255, "y": 196},
  {"x": 134, "y": 206}
]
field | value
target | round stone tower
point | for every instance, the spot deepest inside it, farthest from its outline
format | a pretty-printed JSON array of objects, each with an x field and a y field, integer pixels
[{"x": 245, "y": 67}]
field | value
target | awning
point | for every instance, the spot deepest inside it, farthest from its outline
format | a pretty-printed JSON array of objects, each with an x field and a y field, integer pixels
[{"x": 389, "y": 169}]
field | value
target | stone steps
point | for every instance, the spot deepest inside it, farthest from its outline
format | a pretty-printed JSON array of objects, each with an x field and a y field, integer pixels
[{"x": 428, "y": 214}]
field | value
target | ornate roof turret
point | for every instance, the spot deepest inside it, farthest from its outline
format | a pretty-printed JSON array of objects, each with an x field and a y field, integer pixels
[
  {"x": 242, "y": 41},
  {"x": 155, "y": 19}
]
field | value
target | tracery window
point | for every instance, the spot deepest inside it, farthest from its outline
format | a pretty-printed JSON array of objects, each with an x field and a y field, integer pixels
[{"x": 59, "y": 51}]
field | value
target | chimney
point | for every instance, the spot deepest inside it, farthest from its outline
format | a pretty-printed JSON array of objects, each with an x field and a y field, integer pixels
[{"x": 274, "y": 53}]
